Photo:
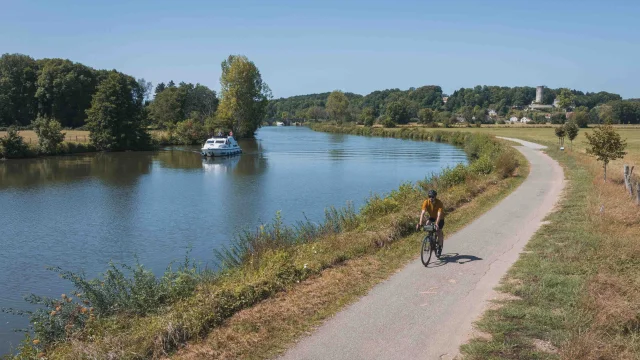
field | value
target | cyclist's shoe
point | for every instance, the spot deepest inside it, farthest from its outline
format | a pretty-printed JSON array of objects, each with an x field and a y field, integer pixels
[{"x": 439, "y": 251}]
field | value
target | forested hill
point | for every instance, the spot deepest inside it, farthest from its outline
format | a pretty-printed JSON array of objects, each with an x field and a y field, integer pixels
[{"x": 500, "y": 99}]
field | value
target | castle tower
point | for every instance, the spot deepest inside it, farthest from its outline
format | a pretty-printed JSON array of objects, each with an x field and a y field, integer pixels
[{"x": 539, "y": 91}]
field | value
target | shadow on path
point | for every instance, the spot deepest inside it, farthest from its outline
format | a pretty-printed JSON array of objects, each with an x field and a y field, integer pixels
[{"x": 453, "y": 258}]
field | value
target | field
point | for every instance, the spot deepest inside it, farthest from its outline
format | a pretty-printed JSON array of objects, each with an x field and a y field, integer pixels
[{"x": 30, "y": 136}]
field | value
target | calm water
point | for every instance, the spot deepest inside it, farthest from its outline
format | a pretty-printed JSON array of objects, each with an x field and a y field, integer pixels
[{"x": 79, "y": 212}]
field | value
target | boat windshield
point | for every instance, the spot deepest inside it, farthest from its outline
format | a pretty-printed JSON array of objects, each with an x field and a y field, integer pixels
[{"x": 219, "y": 141}]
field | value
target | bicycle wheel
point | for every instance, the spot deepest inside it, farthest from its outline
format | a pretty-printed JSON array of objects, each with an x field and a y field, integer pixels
[{"x": 425, "y": 254}]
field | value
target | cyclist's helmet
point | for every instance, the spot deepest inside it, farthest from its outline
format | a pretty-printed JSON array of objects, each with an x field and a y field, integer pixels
[{"x": 432, "y": 194}]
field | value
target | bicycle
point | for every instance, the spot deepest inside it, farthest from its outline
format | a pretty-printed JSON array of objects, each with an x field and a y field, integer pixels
[{"x": 429, "y": 243}]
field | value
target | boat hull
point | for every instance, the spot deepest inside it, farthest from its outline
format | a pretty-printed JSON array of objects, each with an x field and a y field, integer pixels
[{"x": 220, "y": 152}]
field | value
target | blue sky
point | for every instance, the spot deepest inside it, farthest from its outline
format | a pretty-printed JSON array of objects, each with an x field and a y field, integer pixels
[{"x": 304, "y": 47}]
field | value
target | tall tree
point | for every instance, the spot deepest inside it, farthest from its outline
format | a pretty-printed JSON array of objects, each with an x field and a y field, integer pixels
[
  {"x": 147, "y": 86},
  {"x": 397, "y": 112},
  {"x": 64, "y": 91},
  {"x": 160, "y": 88},
  {"x": 244, "y": 96},
  {"x": 50, "y": 134},
  {"x": 571, "y": 129},
  {"x": 18, "y": 85},
  {"x": 367, "y": 116},
  {"x": 426, "y": 116},
  {"x": 337, "y": 106},
  {"x": 606, "y": 145},
  {"x": 565, "y": 98},
  {"x": 166, "y": 108},
  {"x": 116, "y": 119}
]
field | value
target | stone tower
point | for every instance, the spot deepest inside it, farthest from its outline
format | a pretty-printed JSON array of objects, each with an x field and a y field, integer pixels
[{"x": 539, "y": 91}]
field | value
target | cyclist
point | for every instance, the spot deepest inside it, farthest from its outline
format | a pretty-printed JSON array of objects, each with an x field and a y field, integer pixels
[{"x": 435, "y": 208}]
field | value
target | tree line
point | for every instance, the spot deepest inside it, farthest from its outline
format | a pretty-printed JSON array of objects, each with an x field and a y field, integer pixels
[
  {"x": 484, "y": 104},
  {"x": 51, "y": 94}
]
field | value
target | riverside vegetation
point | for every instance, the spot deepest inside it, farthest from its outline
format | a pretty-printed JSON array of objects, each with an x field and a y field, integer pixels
[
  {"x": 51, "y": 94},
  {"x": 130, "y": 313}
]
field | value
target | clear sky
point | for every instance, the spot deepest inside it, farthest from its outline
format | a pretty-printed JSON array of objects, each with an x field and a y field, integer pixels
[{"x": 304, "y": 47}]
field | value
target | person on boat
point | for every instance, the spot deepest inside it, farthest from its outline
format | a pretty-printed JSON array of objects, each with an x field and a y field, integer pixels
[
  {"x": 231, "y": 133},
  {"x": 220, "y": 133}
]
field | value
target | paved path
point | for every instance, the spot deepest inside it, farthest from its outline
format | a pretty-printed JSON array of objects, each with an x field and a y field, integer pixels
[{"x": 427, "y": 313}]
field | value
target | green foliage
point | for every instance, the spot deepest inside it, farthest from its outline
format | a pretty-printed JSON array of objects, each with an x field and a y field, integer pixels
[
  {"x": 571, "y": 129},
  {"x": 387, "y": 122},
  {"x": 190, "y": 132},
  {"x": 505, "y": 164},
  {"x": 368, "y": 116},
  {"x": 560, "y": 133},
  {"x": 558, "y": 118},
  {"x": 50, "y": 135},
  {"x": 116, "y": 119},
  {"x": 244, "y": 96},
  {"x": 398, "y": 113},
  {"x": 12, "y": 146},
  {"x": 65, "y": 90},
  {"x": 565, "y": 98},
  {"x": 482, "y": 166},
  {"x": 166, "y": 108},
  {"x": 377, "y": 206},
  {"x": 122, "y": 289},
  {"x": 624, "y": 112},
  {"x": 452, "y": 176},
  {"x": 337, "y": 106},
  {"x": 606, "y": 145},
  {"x": 18, "y": 85},
  {"x": 426, "y": 116},
  {"x": 250, "y": 247},
  {"x": 479, "y": 145},
  {"x": 580, "y": 118}
]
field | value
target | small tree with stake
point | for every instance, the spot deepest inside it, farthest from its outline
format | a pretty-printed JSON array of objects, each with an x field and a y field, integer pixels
[
  {"x": 560, "y": 133},
  {"x": 606, "y": 145},
  {"x": 571, "y": 128}
]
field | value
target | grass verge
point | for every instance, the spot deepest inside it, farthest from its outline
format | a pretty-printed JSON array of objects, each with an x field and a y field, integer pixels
[{"x": 575, "y": 291}]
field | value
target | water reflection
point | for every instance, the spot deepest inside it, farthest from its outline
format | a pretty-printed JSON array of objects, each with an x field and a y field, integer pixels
[
  {"x": 81, "y": 211},
  {"x": 116, "y": 169},
  {"x": 184, "y": 158}
]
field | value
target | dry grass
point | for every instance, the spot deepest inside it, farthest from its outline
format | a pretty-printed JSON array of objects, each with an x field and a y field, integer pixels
[
  {"x": 78, "y": 136},
  {"x": 580, "y": 278},
  {"x": 270, "y": 327}
]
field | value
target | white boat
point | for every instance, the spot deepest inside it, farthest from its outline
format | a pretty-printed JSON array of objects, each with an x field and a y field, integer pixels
[
  {"x": 279, "y": 123},
  {"x": 221, "y": 146}
]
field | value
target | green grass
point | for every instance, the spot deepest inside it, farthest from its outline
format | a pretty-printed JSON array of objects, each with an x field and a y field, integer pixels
[{"x": 549, "y": 280}]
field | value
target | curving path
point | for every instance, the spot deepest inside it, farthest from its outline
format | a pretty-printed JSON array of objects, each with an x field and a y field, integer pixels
[{"x": 423, "y": 313}]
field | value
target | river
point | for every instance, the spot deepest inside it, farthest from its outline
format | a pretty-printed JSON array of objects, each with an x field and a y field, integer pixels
[{"x": 79, "y": 212}]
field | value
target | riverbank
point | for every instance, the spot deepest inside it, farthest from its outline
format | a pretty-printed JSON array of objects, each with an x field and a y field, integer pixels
[{"x": 274, "y": 259}]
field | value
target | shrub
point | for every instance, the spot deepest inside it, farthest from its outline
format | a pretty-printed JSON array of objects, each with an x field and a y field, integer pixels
[
  {"x": 479, "y": 145},
  {"x": 452, "y": 176},
  {"x": 506, "y": 164},
  {"x": 387, "y": 122},
  {"x": 50, "y": 135},
  {"x": 483, "y": 166},
  {"x": 13, "y": 146},
  {"x": 377, "y": 206},
  {"x": 190, "y": 132},
  {"x": 122, "y": 289}
]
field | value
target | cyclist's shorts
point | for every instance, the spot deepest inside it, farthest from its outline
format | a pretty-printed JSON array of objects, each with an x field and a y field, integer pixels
[{"x": 440, "y": 224}]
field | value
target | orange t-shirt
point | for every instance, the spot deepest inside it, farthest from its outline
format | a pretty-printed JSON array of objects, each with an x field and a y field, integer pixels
[{"x": 432, "y": 208}]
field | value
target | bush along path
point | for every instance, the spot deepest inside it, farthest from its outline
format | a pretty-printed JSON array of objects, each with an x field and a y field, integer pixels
[{"x": 111, "y": 317}]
